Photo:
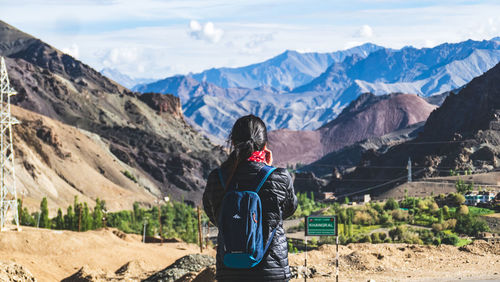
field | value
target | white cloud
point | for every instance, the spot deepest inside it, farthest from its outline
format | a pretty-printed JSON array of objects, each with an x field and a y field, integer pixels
[
  {"x": 73, "y": 50},
  {"x": 207, "y": 32},
  {"x": 365, "y": 31},
  {"x": 256, "y": 43}
]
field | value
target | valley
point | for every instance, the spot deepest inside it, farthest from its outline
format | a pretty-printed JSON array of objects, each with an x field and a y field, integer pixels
[{"x": 402, "y": 145}]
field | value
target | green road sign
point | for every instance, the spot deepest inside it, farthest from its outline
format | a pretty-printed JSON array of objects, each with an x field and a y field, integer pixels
[{"x": 321, "y": 225}]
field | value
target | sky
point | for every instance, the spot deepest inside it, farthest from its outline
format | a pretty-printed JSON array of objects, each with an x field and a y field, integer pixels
[{"x": 156, "y": 39}]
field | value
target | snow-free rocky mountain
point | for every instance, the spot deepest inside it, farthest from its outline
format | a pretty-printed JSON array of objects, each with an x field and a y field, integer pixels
[
  {"x": 87, "y": 136},
  {"x": 285, "y": 93},
  {"x": 462, "y": 134}
]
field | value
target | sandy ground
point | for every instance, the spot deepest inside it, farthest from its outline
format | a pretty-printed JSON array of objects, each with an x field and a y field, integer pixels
[
  {"x": 53, "y": 255},
  {"x": 401, "y": 262}
]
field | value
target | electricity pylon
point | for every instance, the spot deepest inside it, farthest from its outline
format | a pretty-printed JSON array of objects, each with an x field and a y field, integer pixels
[{"x": 8, "y": 195}]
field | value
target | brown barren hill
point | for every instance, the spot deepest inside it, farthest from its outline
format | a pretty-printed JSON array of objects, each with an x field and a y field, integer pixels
[
  {"x": 368, "y": 116},
  {"x": 59, "y": 162}
]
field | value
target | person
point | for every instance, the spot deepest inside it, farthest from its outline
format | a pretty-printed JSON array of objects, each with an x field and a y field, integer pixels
[{"x": 248, "y": 139}]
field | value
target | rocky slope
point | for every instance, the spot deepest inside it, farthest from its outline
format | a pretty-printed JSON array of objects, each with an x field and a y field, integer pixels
[
  {"x": 368, "y": 116},
  {"x": 341, "y": 161},
  {"x": 56, "y": 161},
  {"x": 463, "y": 134},
  {"x": 146, "y": 132}
]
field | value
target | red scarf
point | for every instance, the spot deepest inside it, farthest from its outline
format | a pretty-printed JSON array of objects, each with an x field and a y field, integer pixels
[{"x": 258, "y": 156}]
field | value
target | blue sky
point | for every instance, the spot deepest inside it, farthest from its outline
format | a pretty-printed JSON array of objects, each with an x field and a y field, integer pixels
[{"x": 153, "y": 38}]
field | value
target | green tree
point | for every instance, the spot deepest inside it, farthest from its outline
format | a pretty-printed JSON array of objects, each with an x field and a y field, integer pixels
[
  {"x": 470, "y": 225},
  {"x": 59, "y": 221},
  {"x": 69, "y": 219},
  {"x": 44, "y": 214},
  {"x": 391, "y": 204},
  {"x": 86, "y": 218},
  {"x": 24, "y": 216},
  {"x": 97, "y": 215}
]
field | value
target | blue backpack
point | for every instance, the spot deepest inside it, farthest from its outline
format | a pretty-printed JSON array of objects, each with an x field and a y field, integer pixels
[{"x": 240, "y": 223}]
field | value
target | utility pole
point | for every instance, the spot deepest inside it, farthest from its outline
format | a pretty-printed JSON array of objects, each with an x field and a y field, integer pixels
[
  {"x": 409, "y": 169},
  {"x": 8, "y": 195}
]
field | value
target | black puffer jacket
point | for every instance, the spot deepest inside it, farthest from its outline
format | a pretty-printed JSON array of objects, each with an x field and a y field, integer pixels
[{"x": 278, "y": 202}]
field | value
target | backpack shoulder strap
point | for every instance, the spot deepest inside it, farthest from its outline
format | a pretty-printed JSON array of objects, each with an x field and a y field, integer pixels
[{"x": 262, "y": 176}]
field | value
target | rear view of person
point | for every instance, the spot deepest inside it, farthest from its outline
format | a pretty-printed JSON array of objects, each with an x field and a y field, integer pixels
[{"x": 246, "y": 178}]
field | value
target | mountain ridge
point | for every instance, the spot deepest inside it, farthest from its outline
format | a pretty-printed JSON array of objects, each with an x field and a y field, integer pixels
[{"x": 426, "y": 72}]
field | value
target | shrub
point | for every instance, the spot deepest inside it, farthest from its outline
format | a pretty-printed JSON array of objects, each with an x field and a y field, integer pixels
[
  {"x": 399, "y": 215},
  {"x": 391, "y": 204},
  {"x": 383, "y": 236},
  {"x": 436, "y": 241},
  {"x": 362, "y": 217},
  {"x": 129, "y": 175},
  {"x": 450, "y": 240},
  {"x": 375, "y": 238},
  {"x": 378, "y": 208},
  {"x": 470, "y": 225},
  {"x": 365, "y": 239},
  {"x": 463, "y": 210},
  {"x": 446, "y": 211},
  {"x": 397, "y": 233},
  {"x": 457, "y": 199},
  {"x": 437, "y": 227},
  {"x": 434, "y": 207}
]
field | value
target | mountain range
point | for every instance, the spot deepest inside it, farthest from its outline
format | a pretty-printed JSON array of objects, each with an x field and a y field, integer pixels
[
  {"x": 461, "y": 135},
  {"x": 124, "y": 141},
  {"x": 214, "y": 99}
]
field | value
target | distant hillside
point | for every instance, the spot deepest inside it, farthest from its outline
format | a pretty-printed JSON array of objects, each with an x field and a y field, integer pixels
[
  {"x": 368, "y": 116},
  {"x": 146, "y": 132},
  {"x": 463, "y": 134},
  {"x": 347, "y": 158}
]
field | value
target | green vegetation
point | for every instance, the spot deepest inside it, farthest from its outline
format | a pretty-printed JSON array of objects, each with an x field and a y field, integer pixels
[
  {"x": 129, "y": 175},
  {"x": 178, "y": 219},
  {"x": 428, "y": 220}
]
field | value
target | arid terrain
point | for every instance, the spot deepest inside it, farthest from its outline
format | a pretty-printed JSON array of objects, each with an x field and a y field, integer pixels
[{"x": 54, "y": 255}]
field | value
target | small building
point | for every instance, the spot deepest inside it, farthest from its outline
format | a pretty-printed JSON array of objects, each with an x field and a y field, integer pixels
[
  {"x": 473, "y": 198},
  {"x": 329, "y": 196},
  {"x": 366, "y": 198}
]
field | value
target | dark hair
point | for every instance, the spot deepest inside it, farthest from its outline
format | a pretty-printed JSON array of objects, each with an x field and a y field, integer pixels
[{"x": 249, "y": 134}]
